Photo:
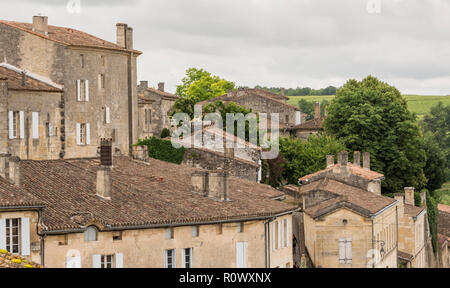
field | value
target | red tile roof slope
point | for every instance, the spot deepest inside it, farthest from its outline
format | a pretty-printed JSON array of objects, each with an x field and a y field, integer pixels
[
  {"x": 12, "y": 196},
  {"x": 143, "y": 194},
  {"x": 354, "y": 169},
  {"x": 31, "y": 84},
  {"x": 444, "y": 208}
]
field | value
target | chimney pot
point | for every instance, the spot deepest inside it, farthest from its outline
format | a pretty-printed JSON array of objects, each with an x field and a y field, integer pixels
[
  {"x": 104, "y": 182},
  {"x": 343, "y": 158},
  {"x": 330, "y": 160},
  {"x": 144, "y": 85},
  {"x": 409, "y": 196},
  {"x": 121, "y": 32},
  {"x": 357, "y": 158},
  {"x": 218, "y": 185},
  {"x": 161, "y": 86},
  {"x": 40, "y": 24},
  {"x": 366, "y": 160},
  {"x": 317, "y": 111},
  {"x": 129, "y": 38}
]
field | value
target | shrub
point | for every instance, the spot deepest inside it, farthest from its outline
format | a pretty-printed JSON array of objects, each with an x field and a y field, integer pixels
[
  {"x": 163, "y": 150},
  {"x": 165, "y": 133}
]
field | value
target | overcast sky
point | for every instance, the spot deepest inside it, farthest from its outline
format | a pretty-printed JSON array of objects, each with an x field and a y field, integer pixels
[{"x": 278, "y": 43}]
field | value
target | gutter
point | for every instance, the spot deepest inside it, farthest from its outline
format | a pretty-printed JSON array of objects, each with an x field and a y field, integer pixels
[{"x": 384, "y": 209}]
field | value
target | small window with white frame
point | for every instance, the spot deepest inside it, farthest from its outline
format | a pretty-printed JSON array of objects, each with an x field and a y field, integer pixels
[
  {"x": 241, "y": 227},
  {"x": 90, "y": 234},
  {"x": 169, "y": 258},
  {"x": 187, "y": 258},
  {"x": 83, "y": 134},
  {"x": 169, "y": 233},
  {"x": 13, "y": 237},
  {"x": 82, "y": 90},
  {"x": 195, "y": 231},
  {"x": 107, "y": 261}
]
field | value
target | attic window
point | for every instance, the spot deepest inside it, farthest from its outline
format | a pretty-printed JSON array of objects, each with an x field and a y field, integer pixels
[
  {"x": 82, "y": 60},
  {"x": 90, "y": 234},
  {"x": 117, "y": 236}
]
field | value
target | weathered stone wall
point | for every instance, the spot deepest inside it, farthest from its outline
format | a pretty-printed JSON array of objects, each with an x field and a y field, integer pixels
[
  {"x": 10, "y": 39},
  {"x": 211, "y": 160},
  {"x": 4, "y": 130},
  {"x": 444, "y": 223}
]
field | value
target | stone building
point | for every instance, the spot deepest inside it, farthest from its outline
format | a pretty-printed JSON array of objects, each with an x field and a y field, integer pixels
[
  {"x": 348, "y": 223},
  {"x": 155, "y": 106},
  {"x": 98, "y": 80},
  {"x": 308, "y": 127},
  {"x": 30, "y": 114},
  {"x": 87, "y": 213}
]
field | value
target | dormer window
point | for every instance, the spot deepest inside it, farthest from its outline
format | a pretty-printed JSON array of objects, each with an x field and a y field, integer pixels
[{"x": 90, "y": 234}]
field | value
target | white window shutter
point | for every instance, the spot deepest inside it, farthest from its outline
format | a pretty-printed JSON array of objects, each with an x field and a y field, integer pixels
[
  {"x": 96, "y": 261},
  {"x": 86, "y": 85},
  {"x": 78, "y": 90},
  {"x": 73, "y": 262},
  {"x": 108, "y": 115},
  {"x": 50, "y": 129},
  {"x": 348, "y": 250},
  {"x": 78, "y": 134},
  {"x": 25, "y": 236},
  {"x": 279, "y": 235},
  {"x": 11, "y": 125},
  {"x": 183, "y": 258},
  {"x": 240, "y": 255},
  {"x": 2, "y": 234},
  {"x": 342, "y": 251},
  {"x": 288, "y": 233},
  {"x": 273, "y": 236},
  {"x": 88, "y": 133},
  {"x": 22, "y": 124},
  {"x": 35, "y": 124},
  {"x": 282, "y": 234},
  {"x": 119, "y": 260}
]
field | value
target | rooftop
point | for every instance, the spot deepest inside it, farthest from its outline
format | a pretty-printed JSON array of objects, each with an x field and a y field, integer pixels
[
  {"x": 444, "y": 208},
  {"x": 33, "y": 82},
  {"x": 143, "y": 195},
  {"x": 353, "y": 169},
  {"x": 15, "y": 197}
]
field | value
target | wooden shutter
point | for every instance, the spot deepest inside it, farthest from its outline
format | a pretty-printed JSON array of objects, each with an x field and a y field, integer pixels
[
  {"x": 50, "y": 129},
  {"x": 22, "y": 124},
  {"x": 342, "y": 251},
  {"x": 78, "y": 134},
  {"x": 78, "y": 90},
  {"x": 279, "y": 235},
  {"x": 2, "y": 234},
  {"x": 35, "y": 124},
  {"x": 240, "y": 255},
  {"x": 88, "y": 134},
  {"x": 108, "y": 115},
  {"x": 86, "y": 86},
  {"x": 282, "y": 234},
  {"x": 288, "y": 233},
  {"x": 348, "y": 250},
  {"x": 25, "y": 236},
  {"x": 273, "y": 236},
  {"x": 96, "y": 261},
  {"x": 119, "y": 260},
  {"x": 11, "y": 125},
  {"x": 73, "y": 262}
]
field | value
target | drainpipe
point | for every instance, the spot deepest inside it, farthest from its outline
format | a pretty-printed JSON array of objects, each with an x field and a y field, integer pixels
[
  {"x": 267, "y": 241},
  {"x": 373, "y": 245},
  {"x": 42, "y": 236}
]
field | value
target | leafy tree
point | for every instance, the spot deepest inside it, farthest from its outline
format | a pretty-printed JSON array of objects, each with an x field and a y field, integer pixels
[
  {"x": 370, "y": 115},
  {"x": 308, "y": 107},
  {"x": 303, "y": 158},
  {"x": 436, "y": 165},
  {"x": 197, "y": 86}
]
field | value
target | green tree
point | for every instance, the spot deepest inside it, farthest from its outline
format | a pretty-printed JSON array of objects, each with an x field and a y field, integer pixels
[
  {"x": 370, "y": 115},
  {"x": 303, "y": 158},
  {"x": 436, "y": 165},
  {"x": 199, "y": 85},
  {"x": 308, "y": 107}
]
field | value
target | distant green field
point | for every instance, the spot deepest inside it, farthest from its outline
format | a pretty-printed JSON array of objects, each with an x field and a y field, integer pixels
[{"x": 418, "y": 104}]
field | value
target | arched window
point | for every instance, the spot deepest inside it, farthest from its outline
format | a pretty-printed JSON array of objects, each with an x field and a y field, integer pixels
[{"x": 90, "y": 234}]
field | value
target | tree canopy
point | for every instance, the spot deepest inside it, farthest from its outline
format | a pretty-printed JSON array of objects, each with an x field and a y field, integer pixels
[
  {"x": 308, "y": 107},
  {"x": 372, "y": 116}
]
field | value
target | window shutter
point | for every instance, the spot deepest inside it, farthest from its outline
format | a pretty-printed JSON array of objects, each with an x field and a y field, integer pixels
[
  {"x": 288, "y": 233},
  {"x": 279, "y": 235},
  {"x": 96, "y": 261},
  {"x": 273, "y": 236},
  {"x": 35, "y": 124},
  {"x": 183, "y": 258},
  {"x": 78, "y": 134},
  {"x": 240, "y": 255},
  {"x": 119, "y": 260},
  {"x": 2, "y": 234},
  {"x": 108, "y": 115},
  {"x": 22, "y": 126},
  {"x": 86, "y": 85},
  {"x": 348, "y": 250},
  {"x": 50, "y": 129},
  {"x": 11, "y": 125},
  {"x": 25, "y": 236},
  {"x": 282, "y": 234},
  {"x": 73, "y": 262},
  {"x": 88, "y": 133},
  {"x": 78, "y": 90},
  {"x": 342, "y": 251}
]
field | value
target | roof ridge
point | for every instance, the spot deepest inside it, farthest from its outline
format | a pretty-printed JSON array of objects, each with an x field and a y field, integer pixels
[{"x": 31, "y": 75}]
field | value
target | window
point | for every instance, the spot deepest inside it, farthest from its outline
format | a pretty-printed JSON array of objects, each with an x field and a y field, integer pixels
[
  {"x": 219, "y": 229},
  {"x": 83, "y": 134},
  {"x": 13, "y": 228},
  {"x": 82, "y": 60},
  {"x": 90, "y": 234},
  {"x": 102, "y": 60},
  {"x": 101, "y": 81},
  {"x": 277, "y": 235},
  {"x": 117, "y": 236},
  {"x": 169, "y": 233},
  {"x": 195, "y": 231},
  {"x": 35, "y": 124},
  {"x": 16, "y": 125},
  {"x": 287, "y": 233},
  {"x": 345, "y": 251},
  {"x": 170, "y": 261},
  {"x": 240, "y": 227},
  {"x": 107, "y": 115},
  {"x": 241, "y": 255},
  {"x": 82, "y": 90},
  {"x": 65, "y": 240},
  {"x": 107, "y": 261},
  {"x": 187, "y": 258}
]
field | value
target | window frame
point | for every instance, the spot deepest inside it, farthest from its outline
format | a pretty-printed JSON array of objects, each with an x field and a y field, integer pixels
[
  {"x": 9, "y": 237},
  {"x": 106, "y": 260},
  {"x": 188, "y": 255},
  {"x": 87, "y": 236},
  {"x": 172, "y": 257}
]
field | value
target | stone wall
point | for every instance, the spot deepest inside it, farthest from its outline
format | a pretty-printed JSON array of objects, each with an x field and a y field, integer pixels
[{"x": 444, "y": 223}]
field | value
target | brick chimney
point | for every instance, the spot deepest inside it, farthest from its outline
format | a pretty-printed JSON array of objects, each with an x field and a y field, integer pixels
[
  {"x": 218, "y": 185},
  {"x": 143, "y": 85},
  {"x": 366, "y": 160},
  {"x": 40, "y": 24},
  {"x": 401, "y": 207},
  {"x": 409, "y": 196},
  {"x": 104, "y": 181},
  {"x": 317, "y": 111},
  {"x": 283, "y": 92},
  {"x": 357, "y": 158},
  {"x": 330, "y": 160},
  {"x": 343, "y": 158},
  {"x": 4, "y": 165},
  {"x": 161, "y": 86},
  {"x": 124, "y": 36},
  {"x": 14, "y": 171}
]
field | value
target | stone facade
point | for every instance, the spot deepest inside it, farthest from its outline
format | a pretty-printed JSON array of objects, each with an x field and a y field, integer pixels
[
  {"x": 103, "y": 73},
  {"x": 155, "y": 106}
]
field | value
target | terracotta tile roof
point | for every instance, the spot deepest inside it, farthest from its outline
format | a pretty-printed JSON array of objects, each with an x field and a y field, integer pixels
[
  {"x": 313, "y": 124},
  {"x": 12, "y": 196},
  {"x": 365, "y": 202},
  {"x": 413, "y": 211},
  {"x": 266, "y": 93},
  {"x": 8, "y": 260},
  {"x": 354, "y": 169},
  {"x": 143, "y": 194},
  {"x": 444, "y": 208},
  {"x": 68, "y": 36},
  {"x": 14, "y": 79},
  {"x": 404, "y": 256},
  {"x": 162, "y": 93}
]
